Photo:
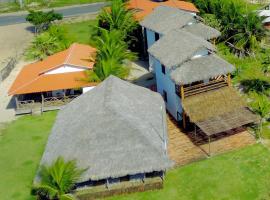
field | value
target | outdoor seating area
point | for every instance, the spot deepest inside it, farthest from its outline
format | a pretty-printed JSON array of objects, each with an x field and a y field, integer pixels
[{"x": 185, "y": 147}]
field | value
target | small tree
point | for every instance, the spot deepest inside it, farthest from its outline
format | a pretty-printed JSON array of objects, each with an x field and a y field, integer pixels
[
  {"x": 118, "y": 17},
  {"x": 261, "y": 106},
  {"x": 57, "y": 180},
  {"x": 48, "y": 43},
  {"x": 42, "y": 20},
  {"x": 111, "y": 53}
]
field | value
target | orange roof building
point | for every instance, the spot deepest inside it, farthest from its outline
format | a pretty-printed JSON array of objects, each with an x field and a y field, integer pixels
[
  {"x": 63, "y": 70},
  {"x": 145, "y": 7}
]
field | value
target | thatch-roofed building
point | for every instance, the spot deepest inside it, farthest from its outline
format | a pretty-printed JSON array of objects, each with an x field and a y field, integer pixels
[
  {"x": 193, "y": 80},
  {"x": 117, "y": 131}
]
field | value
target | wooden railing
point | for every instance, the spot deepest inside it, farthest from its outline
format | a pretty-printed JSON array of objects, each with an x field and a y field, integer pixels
[
  {"x": 25, "y": 104},
  {"x": 51, "y": 102},
  {"x": 58, "y": 101},
  {"x": 200, "y": 88}
]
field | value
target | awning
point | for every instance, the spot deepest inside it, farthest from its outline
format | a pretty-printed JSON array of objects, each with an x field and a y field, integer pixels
[
  {"x": 227, "y": 121},
  {"x": 218, "y": 111}
]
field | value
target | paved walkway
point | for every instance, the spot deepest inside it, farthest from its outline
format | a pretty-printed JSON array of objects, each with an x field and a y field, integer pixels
[{"x": 184, "y": 149}]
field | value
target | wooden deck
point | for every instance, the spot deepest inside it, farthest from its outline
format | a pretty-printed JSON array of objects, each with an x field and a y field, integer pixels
[{"x": 184, "y": 149}]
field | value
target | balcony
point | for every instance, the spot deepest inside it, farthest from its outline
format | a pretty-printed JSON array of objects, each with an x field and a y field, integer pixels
[{"x": 190, "y": 90}]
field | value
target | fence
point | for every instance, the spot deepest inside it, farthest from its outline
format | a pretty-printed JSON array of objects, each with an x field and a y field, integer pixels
[{"x": 4, "y": 73}]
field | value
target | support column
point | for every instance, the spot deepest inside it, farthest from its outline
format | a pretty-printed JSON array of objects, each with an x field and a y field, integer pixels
[
  {"x": 229, "y": 80},
  {"x": 182, "y": 94},
  {"x": 42, "y": 103},
  {"x": 209, "y": 147},
  {"x": 16, "y": 101}
]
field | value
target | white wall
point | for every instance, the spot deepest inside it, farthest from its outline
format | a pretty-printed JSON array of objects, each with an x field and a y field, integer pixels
[
  {"x": 65, "y": 69},
  {"x": 86, "y": 89},
  {"x": 165, "y": 83}
]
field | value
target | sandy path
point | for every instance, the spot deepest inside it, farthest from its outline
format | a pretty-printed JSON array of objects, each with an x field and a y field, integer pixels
[
  {"x": 13, "y": 40},
  {"x": 7, "y": 104}
]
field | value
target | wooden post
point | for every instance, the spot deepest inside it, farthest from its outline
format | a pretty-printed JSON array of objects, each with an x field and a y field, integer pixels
[
  {"x": 229, "y": 80},
  {"x": 209, "y": 148},
  {"x": 16, "y": 101},
  {"x": 195, "y": 131},
  {"x": 42, "y": 102},
  {"x": 182, "y": 94}
]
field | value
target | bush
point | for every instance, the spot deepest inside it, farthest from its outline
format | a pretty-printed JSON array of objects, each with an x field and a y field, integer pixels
[{"x": 48, "y": 43}]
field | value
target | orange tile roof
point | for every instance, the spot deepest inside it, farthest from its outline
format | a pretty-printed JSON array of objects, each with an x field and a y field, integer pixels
[
  {"x": 145, "y": 7},
  {"x": 33, "y": 79}
]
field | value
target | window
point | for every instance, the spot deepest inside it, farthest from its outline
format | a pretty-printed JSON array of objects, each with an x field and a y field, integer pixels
[
  {"x": 165, "y": 95},
  {"x": 156, "y": 36},
  {"x": 163, "y": 69}
]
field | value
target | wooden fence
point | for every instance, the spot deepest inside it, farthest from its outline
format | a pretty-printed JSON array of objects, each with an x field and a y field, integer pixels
[{"x": 4, "y": 73}]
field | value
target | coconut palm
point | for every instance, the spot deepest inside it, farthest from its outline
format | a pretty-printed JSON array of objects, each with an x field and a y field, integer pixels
[
  {"x": 118, "y": 17},
  {"x": 261, "y": 106},
  {"x": 112, "y": 52},
  {"x": 57, "y": 180}
]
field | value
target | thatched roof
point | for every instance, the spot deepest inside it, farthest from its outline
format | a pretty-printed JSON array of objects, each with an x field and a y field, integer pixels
[
  {"x": 164, "y": 19},
  {"x": 202, "y": 68},
  {"x": 227, "y": 121},
  {"x": 176, "y": 47},
  {"x": 206, "y": 105},
  {"x": 201, "y": 30},
  {"x": 114, "y": 130},
  {"x": 219, "y": 110}
]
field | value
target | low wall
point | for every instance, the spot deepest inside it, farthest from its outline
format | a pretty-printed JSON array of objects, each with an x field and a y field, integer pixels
[
  {"x": 122, "y": 188},
  {"x": 5, "y": 71}
]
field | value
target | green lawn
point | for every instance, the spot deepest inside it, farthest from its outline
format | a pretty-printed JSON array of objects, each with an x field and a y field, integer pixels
[
  {"x": 21, "y": 146},
  {"x": 240, "y": 175},
  {"x": 81, "y": 32}
]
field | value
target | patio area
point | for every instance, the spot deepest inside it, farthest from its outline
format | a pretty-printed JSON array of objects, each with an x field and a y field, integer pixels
[{"x": 184, "y": 148}]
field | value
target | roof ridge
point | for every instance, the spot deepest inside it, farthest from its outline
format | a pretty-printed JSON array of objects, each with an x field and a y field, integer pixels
[{"x": 69, "y": 53}]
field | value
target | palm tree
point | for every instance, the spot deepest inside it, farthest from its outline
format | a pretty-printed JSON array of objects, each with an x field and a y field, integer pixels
[
  {"x": 57, "y": 180},
  {"x": 112, "y": 51},
  {"x": 118, "y": 17},
  {"x": 261, "y": 106},
  {"x": 48, "y": 43}
]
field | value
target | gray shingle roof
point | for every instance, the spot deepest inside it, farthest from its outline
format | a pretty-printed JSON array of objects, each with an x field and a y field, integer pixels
[
  {"x": 200, "y": 69},
  {"x": 174, "y": 48},
  {"x": 114, "y": 130},
  {"x": 201, "y": 30},
  {"x": 164, "y": 19}
]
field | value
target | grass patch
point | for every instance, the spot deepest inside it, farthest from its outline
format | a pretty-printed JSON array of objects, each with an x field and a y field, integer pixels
[
  {"x": 22, "y": 143},
  {"x": 242, "y": 174},
  {"x": 81, "y": 32}
]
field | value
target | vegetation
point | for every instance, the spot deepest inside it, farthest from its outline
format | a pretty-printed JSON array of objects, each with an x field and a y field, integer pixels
[
  {"x": 118, "y": 17},
  {"x": 22, "y": 143},
  {"x": 252, "y": 76},
  {"x": 241, "y": 27},
  {"x": 115, "y": 25},
  {"x": 42, "y": 20},
  {"x": 83, "y": 33},
  {"x": 112, "y": 51},
  {"x": 48, "y": 43},
  {"x": 241, "y": 174},
  {"x": 57, "y": 180}
]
